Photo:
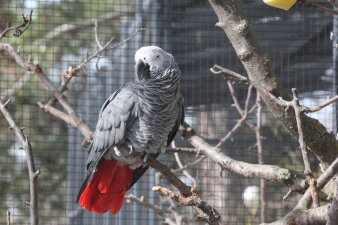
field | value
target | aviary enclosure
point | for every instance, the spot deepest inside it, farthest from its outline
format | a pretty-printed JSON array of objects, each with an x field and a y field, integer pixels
[{"x": 259, "y": 142}]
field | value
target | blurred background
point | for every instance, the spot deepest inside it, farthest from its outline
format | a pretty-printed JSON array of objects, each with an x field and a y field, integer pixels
[{"x": 298, "y": 42}]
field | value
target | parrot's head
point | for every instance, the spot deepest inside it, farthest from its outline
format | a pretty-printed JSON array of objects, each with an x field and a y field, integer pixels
[{"x": 152, "y": 62}]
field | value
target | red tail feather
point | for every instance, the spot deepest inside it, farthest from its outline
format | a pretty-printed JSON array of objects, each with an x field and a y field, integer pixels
[{"x": 107, "y": 188}]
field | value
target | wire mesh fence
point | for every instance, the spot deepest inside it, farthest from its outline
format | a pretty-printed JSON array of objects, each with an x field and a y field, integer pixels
[{"x": 62, "y": 35}]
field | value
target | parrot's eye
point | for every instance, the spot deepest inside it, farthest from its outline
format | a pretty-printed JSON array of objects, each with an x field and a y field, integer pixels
[{"x": 157, "y": 57}]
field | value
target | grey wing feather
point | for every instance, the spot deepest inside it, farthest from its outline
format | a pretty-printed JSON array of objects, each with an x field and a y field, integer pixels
[
  {"x": 180, "y": 119},
  {"x": 116, "y": 115}
]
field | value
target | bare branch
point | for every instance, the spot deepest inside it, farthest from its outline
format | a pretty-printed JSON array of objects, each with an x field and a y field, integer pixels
[
  {"x": 241, "y": 121},
  {"x": 238, "y": 106},
  {"x": 182, "y": 150},
  {"x": 316, "y": 216},
  {"x": 322, "y": 180},
  {"x": 34, "y": 217},
  {"x": 8, "y": 215},
  {"x": 57, "y": 113},
  {"x": 297, "y": 108},
  {"x": 268, "y": 172},
  {"x": 73, "y": 71},
  {"x": 73, "y": 27},
  {"x": 319, "y": 7},
  {"x": 145, "y": 203},
  {"x": 77, "y": 120},
  {"x": 307, "y": 167},
  {"x": 210, "y": 214},
  {"x": 168, "y": 175},
  {"x": 262, "y": 185},
  {"x": 205, "y": 212},
  {"x": 96, "y": 36},
  {"x": 185, "y": 172},
  {"x": 332, "y": 218},
  {"x": 127, "y": 39},
  {"x": 19, "y": 29},
  {"x": 190, "y": 165},
  {"x": 216, "y": 69},
  {"x": 321, "y": 106},
  {"x": 261, "y": 75}
]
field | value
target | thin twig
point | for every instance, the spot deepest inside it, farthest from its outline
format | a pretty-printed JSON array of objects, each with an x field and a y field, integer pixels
[
  {"x": 307, "y": 167},
  {"x": 57, "y": 113},
  {"x": 180, "y": 164},
  {"x": 17, "y": 31},
  {"x": 127, "y": 39},
  {"x": 80, "y": 124},
  {"x": 205, "y": 211},
  {"x": 216, "y": 69},
  {"x": 178, "y": 217},
  {"x": 297, "y": 109},
  {"x": 182, "y": 150},
  {"x": 168, "y": 175},
  {"x": 32, "y": 172},
  {"x": 262, "y": 186},
  {"x": 238, "y": 106},
  {"x": 184, "y": 171},
  {"x": 73, "y": 71},
  {"x": 332, "y": 215},
  {"x": 268, "y": 172},
  {"x": 8, "y": 215},
  {"x": 73, "y": 27},
  {"x": 322, "y": 180},
  {"x": 208, "y": 213},
  {"x": 321, "y": 106},
  {"x": 240, "y": 122},
  {"x": 190, "y": 165},
  {"x": 317, "y": 6},
  {"x": 96, "y": 35},
  {"x": 145, "y": 203}
]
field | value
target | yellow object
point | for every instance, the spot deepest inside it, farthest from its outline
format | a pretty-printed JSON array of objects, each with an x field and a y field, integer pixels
[{"x": 282, "y": 4}]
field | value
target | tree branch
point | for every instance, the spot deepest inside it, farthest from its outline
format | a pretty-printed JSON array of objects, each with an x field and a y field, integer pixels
[
  {"x": 145, "y": 203},
  {"x": 322, "y": 105},
  {"x": 73, "y": 71},
  {"x": 262, "y": 77},
  {"x": 18, "y": 30},
  {"x": 268, "y": 172},
  {"x": 73, "y": 27},
  {"x": 307, "y": 167},
  {"x": 205, "y": 212},
  {"x": 216, "y": 69},
  {"x": 319, "y": 7},
  {"x": 76, "y": 118},
  {"x": 241, "y": 121},
  {"x": 32, "y": 172},
  {"x": 262, "y": 185},
  {"x": 316, "y": 216},
  {"x": 322, "y": 180},
  {"x": 190, "y": 196},
  {"x": 332, "y": 218}
]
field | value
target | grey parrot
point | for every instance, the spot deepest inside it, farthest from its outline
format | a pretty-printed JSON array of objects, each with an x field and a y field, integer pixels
[{"x": 141, "y": 118}]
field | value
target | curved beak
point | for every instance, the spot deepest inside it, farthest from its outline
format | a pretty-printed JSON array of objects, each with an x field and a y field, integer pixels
[{"x": 142, "y": 70}]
